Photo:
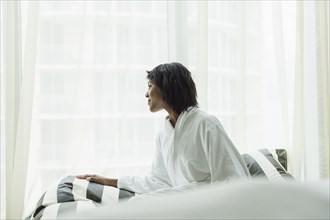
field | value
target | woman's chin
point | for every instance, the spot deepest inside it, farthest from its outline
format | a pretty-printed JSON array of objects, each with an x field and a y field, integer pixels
[{"x": 154, "y": 109}]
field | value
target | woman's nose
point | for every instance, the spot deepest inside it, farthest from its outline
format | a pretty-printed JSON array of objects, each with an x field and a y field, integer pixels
[{"x": 147, "y": 95}]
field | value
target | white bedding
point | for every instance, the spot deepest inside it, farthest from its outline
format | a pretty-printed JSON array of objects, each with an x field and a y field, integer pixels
[
  {"x": 273, "y": 194},
  {"x": 258, "y": 199}
]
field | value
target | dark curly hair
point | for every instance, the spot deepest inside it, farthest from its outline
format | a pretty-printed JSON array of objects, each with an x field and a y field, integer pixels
[{"x": 176, "y": 84}]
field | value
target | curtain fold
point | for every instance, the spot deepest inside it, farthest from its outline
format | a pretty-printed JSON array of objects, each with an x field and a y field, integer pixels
[
  {"x": 310, "y": 146},
  {"x": 298, "y": 146},
  {"x": 12, "y": 72},
  {"x": 323, "y": 89},
  {"x": 282, "y": 75},
  {"x": 201, "y": 79},
  {"x": 177, "y": 30},
  {"x": 19, "y": 74},
  {"x": 241, "y": 102}
]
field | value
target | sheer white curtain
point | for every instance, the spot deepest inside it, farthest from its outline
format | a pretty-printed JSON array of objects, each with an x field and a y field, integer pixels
[
  {"x": 311, "y": 134},
  {"x": 91, "y": 115},
  {"x": 260, "y": 67},
  {"x": 242, "y": 58},
  {"x": 17, "y": 96},
  {"x": 266, "y": 75}
]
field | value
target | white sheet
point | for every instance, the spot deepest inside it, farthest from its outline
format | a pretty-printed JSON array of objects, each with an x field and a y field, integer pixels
[{"x": 240, "y": 200}]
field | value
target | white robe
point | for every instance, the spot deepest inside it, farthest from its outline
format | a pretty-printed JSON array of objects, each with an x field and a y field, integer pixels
[{"x": 197, "y": 150}]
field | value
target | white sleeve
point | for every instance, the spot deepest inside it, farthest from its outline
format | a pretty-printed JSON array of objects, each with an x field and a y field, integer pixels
[
  {"x": 224, "y": 161},
  {"x": 158, "y": 178}
]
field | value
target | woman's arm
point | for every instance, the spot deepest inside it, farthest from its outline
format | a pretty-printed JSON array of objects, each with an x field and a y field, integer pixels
[
  {"x": 224, "y": 160},
  {"x": 158, "y": 178},
  {"x": 99, "y": 179}
]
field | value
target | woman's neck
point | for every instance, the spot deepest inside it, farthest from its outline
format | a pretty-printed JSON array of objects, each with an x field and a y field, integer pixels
[{"x": 173, "y": 117}]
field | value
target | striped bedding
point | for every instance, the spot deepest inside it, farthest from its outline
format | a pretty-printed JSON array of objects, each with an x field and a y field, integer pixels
[
  {"x": 267, "y": 163},
  {"x": 72, "y": 196}
]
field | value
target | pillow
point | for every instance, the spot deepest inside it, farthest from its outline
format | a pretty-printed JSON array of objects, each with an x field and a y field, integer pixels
[
  {"x": 72, "y": 195},
  {"x": 282, "y": 157},
  {"x": 264, "y": 164}
]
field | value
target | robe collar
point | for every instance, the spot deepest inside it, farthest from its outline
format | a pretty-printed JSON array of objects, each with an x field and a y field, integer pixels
[{"x": 180, "y": 122}]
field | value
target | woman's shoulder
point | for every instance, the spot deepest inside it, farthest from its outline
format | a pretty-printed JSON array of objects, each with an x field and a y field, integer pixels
[
  {"x": 201, "y": 117},
  {"x": 202, "y": 114}
]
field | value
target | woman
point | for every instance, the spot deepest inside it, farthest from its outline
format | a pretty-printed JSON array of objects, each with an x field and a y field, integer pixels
[{"x": 192, "y": 148}]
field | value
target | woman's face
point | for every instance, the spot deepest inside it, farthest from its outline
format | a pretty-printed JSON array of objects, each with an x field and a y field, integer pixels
[{"x": 154, "y": 96}]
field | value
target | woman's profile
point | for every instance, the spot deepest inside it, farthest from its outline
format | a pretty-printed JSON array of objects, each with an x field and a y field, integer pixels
[{"x": 191, "y": 148}]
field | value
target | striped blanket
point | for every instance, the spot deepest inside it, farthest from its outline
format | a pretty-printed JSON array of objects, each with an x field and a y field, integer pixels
[
  {"x": 72, "y": 195},
  {"x": 270, "y": 164}
]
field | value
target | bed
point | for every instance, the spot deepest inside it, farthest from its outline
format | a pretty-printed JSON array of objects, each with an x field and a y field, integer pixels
[{"x": 272, "y": 194}]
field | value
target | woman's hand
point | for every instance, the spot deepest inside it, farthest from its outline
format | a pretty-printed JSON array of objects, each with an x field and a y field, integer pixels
[{"x": 99, "y": 179}]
